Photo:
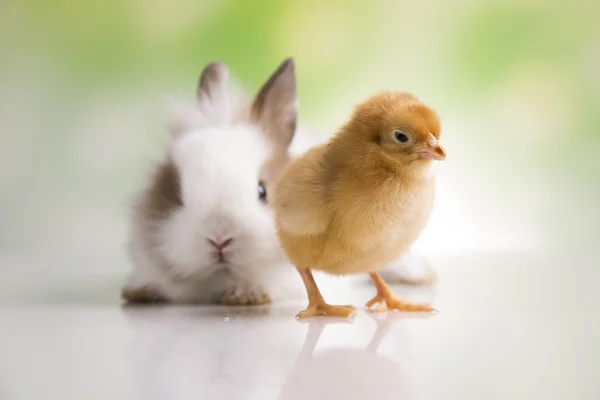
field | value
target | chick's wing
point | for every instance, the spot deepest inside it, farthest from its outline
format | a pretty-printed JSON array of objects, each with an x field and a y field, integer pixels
[{"x": 301, "y": 195}]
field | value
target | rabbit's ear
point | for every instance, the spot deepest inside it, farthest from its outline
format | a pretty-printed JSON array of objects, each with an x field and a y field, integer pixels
[
  {"x": 213, "y": 81},
  {"x": 275, "y": 108}
]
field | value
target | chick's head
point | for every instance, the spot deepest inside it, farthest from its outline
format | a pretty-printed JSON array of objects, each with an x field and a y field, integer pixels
[{"x": 402, "y": 128}]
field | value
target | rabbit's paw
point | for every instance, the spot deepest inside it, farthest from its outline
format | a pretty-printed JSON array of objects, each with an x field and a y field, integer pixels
[
  {"x": 240, "y": 296},
  {"x": 395, "y": 277},
  {"x": 141, "y": 294},
  {"x": 412, "y": 269}
]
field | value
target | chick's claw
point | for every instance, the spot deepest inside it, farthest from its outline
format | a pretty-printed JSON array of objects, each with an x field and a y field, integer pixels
[
  {"x": 314, "y": 310},
  {"x": 384, "y": 303}
]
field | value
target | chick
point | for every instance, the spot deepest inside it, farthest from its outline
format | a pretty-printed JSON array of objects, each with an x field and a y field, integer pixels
[{"x": 361, "y": 200}]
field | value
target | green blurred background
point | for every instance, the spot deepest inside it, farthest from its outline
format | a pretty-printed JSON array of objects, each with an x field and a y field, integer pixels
[{"x": 516, "y": 83}]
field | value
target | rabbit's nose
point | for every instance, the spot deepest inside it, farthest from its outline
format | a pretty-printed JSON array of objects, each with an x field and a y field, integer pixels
[{"x": 221, "y": 243}]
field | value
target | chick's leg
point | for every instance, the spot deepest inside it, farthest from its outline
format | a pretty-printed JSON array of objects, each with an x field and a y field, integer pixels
[
  {"x": 316, "y": 303},
  {"x": 386, "y": 300}
]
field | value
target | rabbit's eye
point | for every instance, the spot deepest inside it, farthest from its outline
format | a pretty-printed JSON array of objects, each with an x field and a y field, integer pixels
[{"x": 262, "y": 192}]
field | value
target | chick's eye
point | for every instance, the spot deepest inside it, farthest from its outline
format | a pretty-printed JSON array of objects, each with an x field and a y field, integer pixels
[
  {"x": 262, "y": 192},
  {"x": 401, "y": 136}
]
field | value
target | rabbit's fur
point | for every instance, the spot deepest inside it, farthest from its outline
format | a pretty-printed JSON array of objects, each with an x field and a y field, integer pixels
[{"x": 206, "y": 192}]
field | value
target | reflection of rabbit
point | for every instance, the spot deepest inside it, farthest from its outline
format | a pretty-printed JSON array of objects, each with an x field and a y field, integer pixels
[
  {"x": 203, "y": 229},
  {"x": 210, "y": 352},
  {"x": 346, "y": 372}
]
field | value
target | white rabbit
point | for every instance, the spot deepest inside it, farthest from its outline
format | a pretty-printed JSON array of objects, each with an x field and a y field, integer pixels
[{"x": 202, "y": 228}]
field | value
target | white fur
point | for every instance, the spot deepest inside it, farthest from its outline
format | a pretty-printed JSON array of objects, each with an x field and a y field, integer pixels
[{"x": 226, "y": 102}]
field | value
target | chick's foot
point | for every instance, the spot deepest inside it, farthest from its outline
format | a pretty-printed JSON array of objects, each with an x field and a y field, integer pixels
[
  {"x": 316, "y": 304},
  {"x": 382, "y": 303},
  {"x": 324, "y": 309},
  {"x": 386, "y": 300}
]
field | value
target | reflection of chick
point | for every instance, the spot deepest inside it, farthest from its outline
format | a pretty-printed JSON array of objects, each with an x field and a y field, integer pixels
[
  {"x": 346, "y": 373},
  {"x": 361, "y": 200}
]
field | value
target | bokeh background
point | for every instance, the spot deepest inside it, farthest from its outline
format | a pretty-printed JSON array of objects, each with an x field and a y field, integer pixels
[{"x": 516, "y": 83}]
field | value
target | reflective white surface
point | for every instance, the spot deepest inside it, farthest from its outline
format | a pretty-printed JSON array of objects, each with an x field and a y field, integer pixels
[{"x": 509, "y": 327}]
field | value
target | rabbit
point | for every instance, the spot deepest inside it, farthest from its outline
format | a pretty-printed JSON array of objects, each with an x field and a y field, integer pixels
[{"x": 202, "y": 228}]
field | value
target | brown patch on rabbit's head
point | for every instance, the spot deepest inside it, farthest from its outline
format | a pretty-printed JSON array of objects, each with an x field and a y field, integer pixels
[
  {"x": 160, "y": 198},
  {"x": 163, "y": 193}
]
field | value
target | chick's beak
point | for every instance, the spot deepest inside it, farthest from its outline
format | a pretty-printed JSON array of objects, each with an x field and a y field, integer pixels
[{"x": 433, "y": 151}]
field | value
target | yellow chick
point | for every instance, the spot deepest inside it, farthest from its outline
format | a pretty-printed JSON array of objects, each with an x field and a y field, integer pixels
[{"x": 361, "y": 200}]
